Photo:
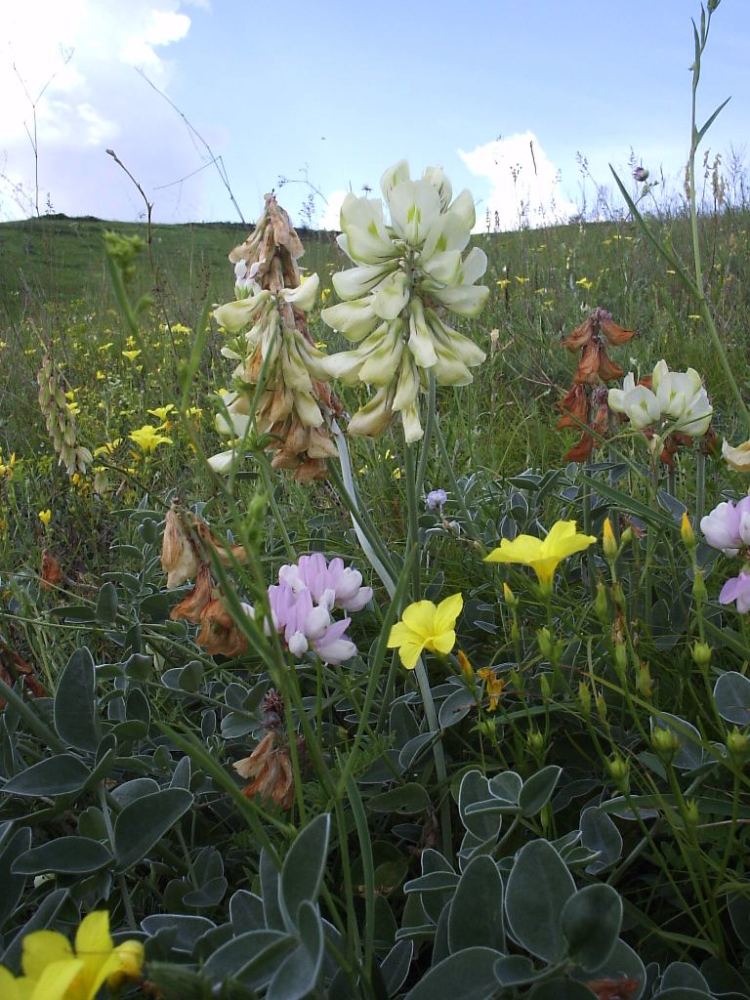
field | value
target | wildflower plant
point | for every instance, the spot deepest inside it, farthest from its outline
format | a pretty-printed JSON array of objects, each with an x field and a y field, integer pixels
[
  {"x": 408, "y": 273},
  {"x": 280, "y": 379}
]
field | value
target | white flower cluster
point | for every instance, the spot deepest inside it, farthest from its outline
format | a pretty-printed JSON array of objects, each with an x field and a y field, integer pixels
[
  {"x": 407, "y": 272},
  {"x": 675, "y": 398}
]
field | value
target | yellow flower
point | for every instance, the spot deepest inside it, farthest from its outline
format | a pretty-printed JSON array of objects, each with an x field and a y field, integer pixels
[
  {"x": 100, "y": 375},
  {"x": 130, "y": 355},
  {"x": 73, "y": 408},
  {"x": 6, "y": 468},
  {"x": 503, "y": 282},
  {"x": 425, "y": 625},
  {"x": 543, "y": 555},
  {"x": 53, "y": 970},
  {"x": 609, "y": 543},
  {"x": 521, "y": 280},
  {"x": 45, "y": 516},
  {"x": 585, "y": 283},
  {"x": 148, "y": 438},
  {"x": 194, "y": 411},
  {"x": 162, "y": 412},
  {"x": 180, "y": 328},
  {"x": 106, "y": 347}
]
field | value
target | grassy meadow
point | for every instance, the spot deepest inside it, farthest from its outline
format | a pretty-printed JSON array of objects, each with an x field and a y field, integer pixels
[{"x": 555, "y": 807}]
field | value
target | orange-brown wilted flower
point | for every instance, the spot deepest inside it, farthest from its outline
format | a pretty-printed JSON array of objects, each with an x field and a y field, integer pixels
[
  {"x": 575, "y": 407},
  {"x": 193, "y": 604},
  {"x": 51, "y": 573},
  {"x": 218, "y": 633},
  {"x": 613, "y": 989},
  {"x": 599, "y": 321},
  {"x": 13, "y": 666},
  {"x": 270, "y": 768}
]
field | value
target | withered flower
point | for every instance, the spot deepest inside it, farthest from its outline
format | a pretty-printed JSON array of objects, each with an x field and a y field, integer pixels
[
  {"x": 192, "y": 606},
  {"x": 267, "y": 322},
  {"x": 51, "y": 574},
  {"x": 13, "y": 666},
  {"x": 613, "y": 989},
  {"x": 179, "y": 556},
  {"x": 270, "y": 769},
  {"x": 585, "y": 405},
  {"x": 218, "y": 633}
]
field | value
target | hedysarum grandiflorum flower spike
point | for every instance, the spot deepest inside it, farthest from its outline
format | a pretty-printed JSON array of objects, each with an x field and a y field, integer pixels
[
  {"x": 269, "y": 339},
  {"x": 409, "y": 272}
]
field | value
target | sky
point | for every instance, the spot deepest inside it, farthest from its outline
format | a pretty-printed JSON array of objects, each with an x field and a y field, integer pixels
[{"x": 525, "y": 102}]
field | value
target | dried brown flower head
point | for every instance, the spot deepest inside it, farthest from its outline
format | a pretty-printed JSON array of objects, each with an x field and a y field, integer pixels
[{"x": 270, "y": 769}]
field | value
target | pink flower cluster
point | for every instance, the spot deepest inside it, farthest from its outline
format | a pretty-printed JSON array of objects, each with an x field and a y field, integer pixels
[
  {"x": 302, "y": 602},
  {"x": 727, "y": 528}
]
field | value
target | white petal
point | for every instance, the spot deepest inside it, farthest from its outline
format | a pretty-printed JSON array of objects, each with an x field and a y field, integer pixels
[
  {"x": 381, "y": 364},
  {"x": 466, "y": 300},
  {"x": 222, "y": 462},
  {"x": 407, "y": 386},
  {"x": 415, "y": 207},
  {"x": 436, "y": 176},
  {"x": 358, "y": 281},
  {"x": 305, "y": 295},
  {"x": 411, "y": 423},
  {"x": 421, "y": 342},
  {"x": 354, "y": 320},
  {"x": 394, "y": 175},
  {"x": 444, "y": 267},
  {"x": 367, "y": 240},
  {"x": 391, "y": 296}
]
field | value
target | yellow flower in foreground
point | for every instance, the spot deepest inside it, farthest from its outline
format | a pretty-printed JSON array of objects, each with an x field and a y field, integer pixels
[
  {"x": 543, "y": 555},
  {"x": 45, "y": 516},
  {"x": 148, "y": 438},
  {"x": 425, "y": 625},
  {"x": 53, "y": 970}
]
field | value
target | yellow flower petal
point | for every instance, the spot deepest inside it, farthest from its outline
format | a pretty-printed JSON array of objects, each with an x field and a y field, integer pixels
[
  {"x": 400, "y": 633},
  {"x": 42, "y": 948},
  {"x": 57, "y": 982},
  {"x": 442, "y": 643},
  {"x": 9, "y": 986},
  {"x": 420, "y": 617},
  {"x": 410, "y": 653},
  {"x": 94, "y": 946},
  {"x": 447, "y": 612}
]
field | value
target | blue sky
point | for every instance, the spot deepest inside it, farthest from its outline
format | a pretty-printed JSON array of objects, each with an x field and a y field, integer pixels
[{"x": 343, "y": 89}]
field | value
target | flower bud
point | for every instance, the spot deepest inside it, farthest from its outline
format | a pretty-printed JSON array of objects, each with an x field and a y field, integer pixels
[
  {"x": 621, "y": 659},
  {"x": 510, "y": 598},
  {"x": 609, "y": 542},
  {"x": 618, "y": 769},
  {"x": 701, "y": 653},
  {"x": 601, "y": 606},
  {"x": 626, "y": 537},
  {"x": 686, "y": 532},
  {"x": 643, "y": 682},
  {"x": 737, "y": 743},
  {"x": 699, "y": 587},
  {"x": 618, "y": 596},
  {"x": 692, "y": 814},
  {"x": 545, "y": 687},
  {"x": 665, "y": 743},
  {"x": 515, "y": 632},
  {"x": 465, "y": 664},
  {"x": 535, "y": 741},
  {"x": 545, "y": 642}
]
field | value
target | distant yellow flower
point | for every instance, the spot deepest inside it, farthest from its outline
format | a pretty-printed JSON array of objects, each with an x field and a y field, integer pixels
[
  {"x": 53, "y": 970},
  {"x": 180, "y": 328},
  {"x": 70, "y": 395},
  {"x": 148, "y": 438},
  {"x": 6, "y": 468},
  {"x": 100, "y": 375},
  {"x": 73, "y": 408},
  {"x": 130, "y": 355},
  {"x": 585, "y": 283},
  {"x": 45, "y": 516},
  {"x": 105, "y": 347},
  {"x": 503, "y": 282},
  {"x": 325, "y": 294},
  {"x": 194, "y": 411},
  {"x": 521, "y": 280},
  {"x": 162, "y": 412},
  {"x": 543, "y": 555},
  {"x": 425, "y": 625}
]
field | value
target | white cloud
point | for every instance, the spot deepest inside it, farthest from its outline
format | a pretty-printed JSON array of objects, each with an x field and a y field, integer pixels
[
  {"x": 83, "y": 55},
  {"x": 525, "y": 184},
  {"x": 329, "y": 218}
]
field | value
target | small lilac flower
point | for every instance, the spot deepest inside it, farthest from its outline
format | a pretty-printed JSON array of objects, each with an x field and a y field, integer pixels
[
  {"x": 727, "y": 527},
  {"x": 306, "y": 625},
  {"x": 737, "y": 589},
  {"x": 436, "y": 499},
  {"x": 640, "y": 174},
  {"x": 331, "y": 584}
]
